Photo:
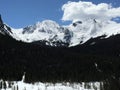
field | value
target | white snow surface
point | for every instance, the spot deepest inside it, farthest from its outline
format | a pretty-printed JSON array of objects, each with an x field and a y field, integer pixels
[
  {"x": 19, "y": 85},
  {"x": 51, "y": 31}
]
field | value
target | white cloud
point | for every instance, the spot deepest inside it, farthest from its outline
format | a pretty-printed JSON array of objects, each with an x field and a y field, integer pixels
[{"x": 85, "y": 10}]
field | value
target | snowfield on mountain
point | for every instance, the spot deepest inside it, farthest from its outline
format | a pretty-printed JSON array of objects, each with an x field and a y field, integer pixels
[{"x": 73, "y": 34}]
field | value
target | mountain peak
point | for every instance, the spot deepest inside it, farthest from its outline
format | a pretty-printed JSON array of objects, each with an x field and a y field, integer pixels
[
  {"x": 1, "y": 23},
  {"x": 47, "y": 25},
  {"x": 4, "y": 29},
  {"x": 51, "y": 32}
]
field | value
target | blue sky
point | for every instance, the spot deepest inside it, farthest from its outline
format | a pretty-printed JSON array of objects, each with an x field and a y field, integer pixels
[{"x": 20, "y": 13}]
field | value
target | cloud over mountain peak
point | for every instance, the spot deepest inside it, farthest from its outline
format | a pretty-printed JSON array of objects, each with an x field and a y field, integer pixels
[{"x": 87, "y": 10}]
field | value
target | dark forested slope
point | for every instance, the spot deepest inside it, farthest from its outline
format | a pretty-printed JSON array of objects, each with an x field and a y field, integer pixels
[{"x": 46, "y": 63}]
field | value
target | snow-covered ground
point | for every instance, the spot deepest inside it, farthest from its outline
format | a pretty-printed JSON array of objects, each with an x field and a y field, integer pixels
[{"x": 20, "y": 85}]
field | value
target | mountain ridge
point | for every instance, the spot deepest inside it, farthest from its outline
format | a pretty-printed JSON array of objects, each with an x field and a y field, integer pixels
[{"x": 71, "y": 35}]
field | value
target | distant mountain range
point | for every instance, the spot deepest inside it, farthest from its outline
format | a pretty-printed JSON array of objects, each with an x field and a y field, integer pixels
[
  {"x": 52, "y": 33},
  {"x": 46, "y": 51}
]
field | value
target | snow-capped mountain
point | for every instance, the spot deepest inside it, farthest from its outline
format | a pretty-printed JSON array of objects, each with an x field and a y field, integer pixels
[
  {"x": 95, "y": 58},
  {"x": 47, "y": 30},
  {"x": 74, "y": 34}
]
